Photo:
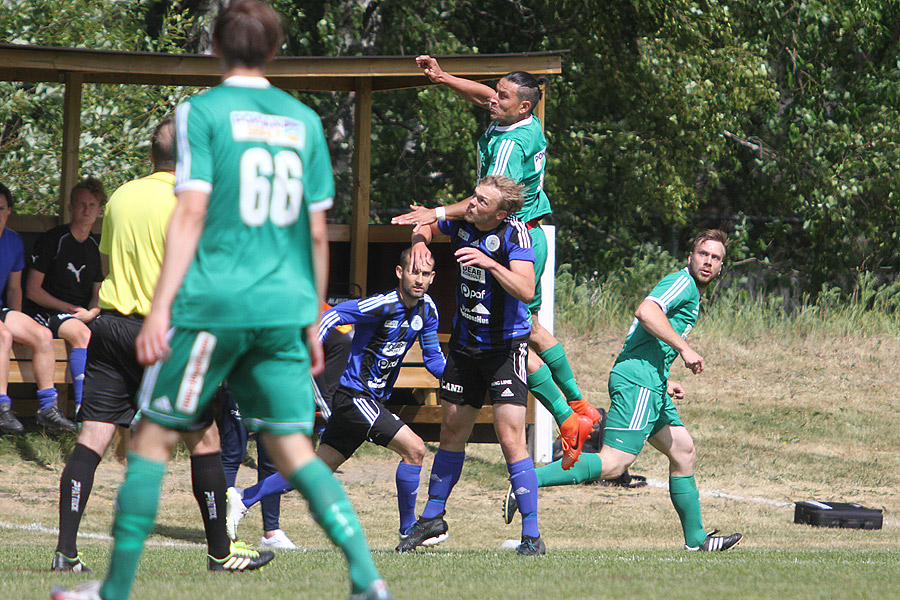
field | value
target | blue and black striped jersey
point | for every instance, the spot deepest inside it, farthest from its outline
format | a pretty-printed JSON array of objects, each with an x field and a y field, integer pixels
[
  {"x": 487, "y": 317},
  {"x": 384, "y": 331}
]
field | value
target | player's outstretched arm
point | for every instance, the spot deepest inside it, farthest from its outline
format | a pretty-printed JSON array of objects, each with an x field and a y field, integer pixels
[
  {"x": 475, "y": 92},
  {"x": 655, "y": 321},
  {"x": 182, "y": 237},
  {"x": 419, "y": 215}
]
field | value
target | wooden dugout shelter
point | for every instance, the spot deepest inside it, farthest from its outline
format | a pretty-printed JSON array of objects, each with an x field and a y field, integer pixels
[{"x": 362, "y": 75}]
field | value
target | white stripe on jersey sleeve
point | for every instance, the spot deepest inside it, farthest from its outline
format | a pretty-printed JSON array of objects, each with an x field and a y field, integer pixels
[
  {"x": 670, "y": 294},
  {"x": 367, "y": 304},
  {"x": 183, "y": 182},
  {"x": 329, "y": 320},
  {"x": 521, "y": 231},
  {"x": 183, "y": 166},
  {"x": 323, "y": 204},
  {"x": 502, "y": 160}
]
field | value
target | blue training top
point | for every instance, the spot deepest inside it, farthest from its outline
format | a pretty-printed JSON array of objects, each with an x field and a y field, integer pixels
[
  {"x": 12, "y": 257},
  {"x": 488, "y": 318},
  {"x": 384, "y": 330}
]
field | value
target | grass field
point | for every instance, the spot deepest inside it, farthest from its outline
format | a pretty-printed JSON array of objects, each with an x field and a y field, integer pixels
[{"x": 775, "y": 419}]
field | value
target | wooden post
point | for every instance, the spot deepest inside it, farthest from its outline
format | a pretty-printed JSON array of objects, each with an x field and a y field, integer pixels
[
  {"x": 362, "y": 158},
  {"x": 71, "y": 132},
  {"x": 539, "y": 109}
]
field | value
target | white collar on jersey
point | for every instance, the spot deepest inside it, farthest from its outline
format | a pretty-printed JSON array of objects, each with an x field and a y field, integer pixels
[
  {"x": 248, "y": 82},
  {"x": 515, "y": 125}
]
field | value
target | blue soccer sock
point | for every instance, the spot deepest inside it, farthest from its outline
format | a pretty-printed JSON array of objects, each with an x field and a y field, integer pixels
[
  {"x": 5, "y": 400},
  {"x": 525, "y": 487},
  {"x": 271, "y": 485},
  {"x": 77, "y": 360},
  {"x": 445, "y": 472},
  {"x": 407, "y": 488},
  {"x": 47, "y": 398}
]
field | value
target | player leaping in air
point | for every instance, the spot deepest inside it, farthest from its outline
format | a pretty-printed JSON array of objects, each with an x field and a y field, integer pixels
[{"x": 514, "y": 146}]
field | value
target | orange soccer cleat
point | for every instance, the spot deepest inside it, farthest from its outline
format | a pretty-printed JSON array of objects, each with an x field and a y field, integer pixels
[
  {"x": 584, "y": 408},
  {"x": 572, "y": 433}
]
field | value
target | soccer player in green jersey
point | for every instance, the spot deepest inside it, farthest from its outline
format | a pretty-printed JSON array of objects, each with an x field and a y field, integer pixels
[
  {"x": 514, "y": 145},
  {"x": 245, "y": 264},
  {"x": 641, "y": 408}
]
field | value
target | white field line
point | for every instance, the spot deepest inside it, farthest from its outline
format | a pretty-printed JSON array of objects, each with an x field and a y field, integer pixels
[
  {"x": 39, "y": 528},
  {"x": 755, "y": 499}
]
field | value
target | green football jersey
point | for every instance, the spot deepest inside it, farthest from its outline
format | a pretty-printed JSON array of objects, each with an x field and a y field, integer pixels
[
  {"x": 518, "y": 151},
  {"x": 261, "y": 156},
  {"x": 645, "y": 359}
]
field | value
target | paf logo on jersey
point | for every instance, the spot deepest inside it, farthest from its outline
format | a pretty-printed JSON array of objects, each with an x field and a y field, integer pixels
[
  {"x": 539, "y": 161},
  {"x": 468, "y": 292}
]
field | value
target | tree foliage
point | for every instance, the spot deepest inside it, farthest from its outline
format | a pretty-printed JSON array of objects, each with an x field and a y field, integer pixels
[{"x": 776, "y": 120}]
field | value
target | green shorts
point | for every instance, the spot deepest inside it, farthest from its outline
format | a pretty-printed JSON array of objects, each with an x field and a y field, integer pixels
[
  {"x": 636, "y": 414},
  {"x": 267, "y": 369},
  {"x": 539, "y": 245}
]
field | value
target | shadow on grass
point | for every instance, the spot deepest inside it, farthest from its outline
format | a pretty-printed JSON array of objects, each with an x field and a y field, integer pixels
[{"x": 184, "y": 534}]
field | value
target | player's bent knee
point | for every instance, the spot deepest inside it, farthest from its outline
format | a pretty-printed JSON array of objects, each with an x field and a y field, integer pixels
[
  {"x": 6, "y": 339},
  {"x": 413, "y": 452}
]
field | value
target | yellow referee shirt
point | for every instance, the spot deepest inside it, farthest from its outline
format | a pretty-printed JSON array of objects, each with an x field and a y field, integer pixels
[{"x": 134, "y": 236}]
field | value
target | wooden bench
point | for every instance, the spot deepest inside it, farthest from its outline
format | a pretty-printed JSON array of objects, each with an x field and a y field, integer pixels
[
  {"x": 21, "y": 371},
  {"x": 424, "y": 414}
]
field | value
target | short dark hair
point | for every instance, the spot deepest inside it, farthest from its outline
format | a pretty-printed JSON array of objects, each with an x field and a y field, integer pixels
[
  {"x": 162, "y": 145},
  {"x": 529, "y": 86},
  {"x": 4, "y": 191},
  {"x": 91, "y": 185},
  {"x": 247, "y": 34},
  {"x": 405, "y": 256},
  {"x": 711, "y": 235},
  {"x": 512, "y": 194}
]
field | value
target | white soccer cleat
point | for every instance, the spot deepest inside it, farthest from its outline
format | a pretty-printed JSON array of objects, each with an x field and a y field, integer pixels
[
  {"x": 89, "y": 590},
  {"x": 278, "y": 541},
  {"x": 234, "y": 512}
]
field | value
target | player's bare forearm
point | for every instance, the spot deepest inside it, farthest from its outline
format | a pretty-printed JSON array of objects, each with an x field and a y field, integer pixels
[
  {"x": 316, "y": 353},
  {"x": 475, "y": 92},
  {"x": 654, "y": 320},
  {"x": 35, "y": 292},
  {"x": 319, "y": 231},
  {"x": 419, "y": 215},
  {"x": 14, "y": 291},
  {"x": 517, "y": 280}
]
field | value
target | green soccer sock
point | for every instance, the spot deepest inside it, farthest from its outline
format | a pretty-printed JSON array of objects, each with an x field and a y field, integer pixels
[
  {"x": 136, "y": 510},
  {"x": 686, "y": 499},
  {"x": 540, "y": 383},
  {"x": 331, "y": 509},
  {"x": 588, "y": 468},
  {"x": 555, "y": 358}
]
